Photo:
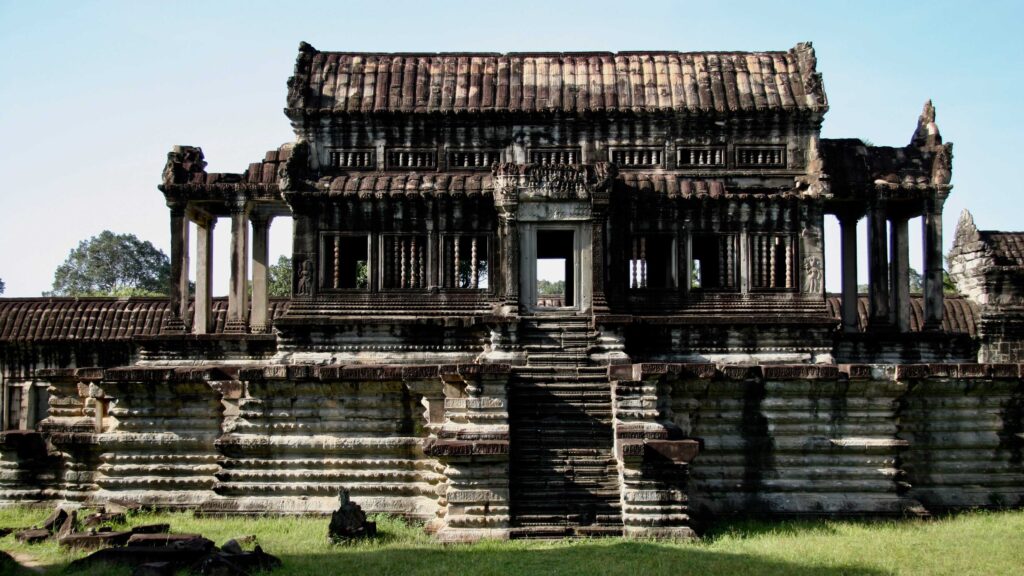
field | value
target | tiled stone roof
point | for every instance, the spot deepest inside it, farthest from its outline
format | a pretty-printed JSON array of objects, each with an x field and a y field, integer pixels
[
  {"x": 1007, "y": 248},
  {"x": 95, "y": 319},
  {"x": 695, "y": 82},
  {"x": 119, "y": 319},
  {"x": 673, "y": 186},
  {"x": 960, "y": 315}
]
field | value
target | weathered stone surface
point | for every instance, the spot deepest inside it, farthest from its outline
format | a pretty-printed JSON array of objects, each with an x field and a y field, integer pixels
[{"x": 32, "y": 536}]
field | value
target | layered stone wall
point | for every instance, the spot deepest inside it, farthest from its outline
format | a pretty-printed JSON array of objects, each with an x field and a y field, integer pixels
[
  {"x": 839, "y": 440},
  {"x": 274, "y": 438}
]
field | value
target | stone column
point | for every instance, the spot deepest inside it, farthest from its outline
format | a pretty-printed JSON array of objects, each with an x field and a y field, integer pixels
[
  {"x": 900, "y": 261},
  {"x": 260, "y": 262},
  {"x": 175, "y": 321},
  {"x": 599, "y": 302},
  {"x": 744, "y": 257},
  {"x": 848, "y": 241},
  {"x": 878, "y": 268},
  {"x": 510, "y": 247},
  {"x": 932, "y": 245},
  {"x": 203, "y": 320},
  {"x": 238, "y": 293}
]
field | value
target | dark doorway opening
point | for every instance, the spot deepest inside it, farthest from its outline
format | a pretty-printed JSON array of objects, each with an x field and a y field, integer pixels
[{"x": 556, "y": 265}]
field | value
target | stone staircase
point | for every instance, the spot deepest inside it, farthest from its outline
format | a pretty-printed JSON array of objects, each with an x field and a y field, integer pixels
[{"x": 564, "y": 477}]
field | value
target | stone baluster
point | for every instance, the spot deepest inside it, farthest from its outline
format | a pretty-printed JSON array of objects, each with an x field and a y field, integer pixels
[
  {"x": 899, "y": 259},
  {"x": 473, "y": 265},
  {"x": 934, "y": 306},
  {"x": 259, "y": 321},
  {"x": 203, "y": 320},
  {"x": 238, "y": 293}
]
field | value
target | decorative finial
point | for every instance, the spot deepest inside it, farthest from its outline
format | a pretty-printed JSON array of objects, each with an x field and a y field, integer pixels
[{"x": 927, "y": 134}]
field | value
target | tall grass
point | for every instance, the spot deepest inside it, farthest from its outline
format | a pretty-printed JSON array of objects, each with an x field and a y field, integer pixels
[{"x": 976, "y": 543}]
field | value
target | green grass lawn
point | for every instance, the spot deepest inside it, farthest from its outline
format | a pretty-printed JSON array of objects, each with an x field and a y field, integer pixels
[{"x": 969, "y": 543}]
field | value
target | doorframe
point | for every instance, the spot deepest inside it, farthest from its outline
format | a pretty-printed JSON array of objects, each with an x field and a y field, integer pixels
[{"x": 581, "y": 262}]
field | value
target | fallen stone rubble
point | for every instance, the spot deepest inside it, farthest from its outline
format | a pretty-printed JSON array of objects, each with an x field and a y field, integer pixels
[{"x": 150, "y": 549}]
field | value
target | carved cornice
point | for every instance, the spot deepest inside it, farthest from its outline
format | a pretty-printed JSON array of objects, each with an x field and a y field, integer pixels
[{"x": 533, "y": 182}]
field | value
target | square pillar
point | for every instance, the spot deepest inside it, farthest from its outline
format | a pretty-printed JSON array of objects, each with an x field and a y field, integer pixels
[
  {"x": 599, "y": 301},
  {"x": 259, "y": 320},
  {"x": 848, "y": 241},
  {"x": 900, "y": 262},
  {"x": 175, "y": 321},
  {"x": 509, "y": 238},
  {"x": 934, "y": 305},
  {"x": 238, "y": 292},
  {"x": 203, "y": 320},
  {"x": 878, "y": 268}
]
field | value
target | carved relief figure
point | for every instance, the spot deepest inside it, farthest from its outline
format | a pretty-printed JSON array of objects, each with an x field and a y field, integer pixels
[
  {"x": 812, "y": 275},
  {"x": 305, "y": 285}
]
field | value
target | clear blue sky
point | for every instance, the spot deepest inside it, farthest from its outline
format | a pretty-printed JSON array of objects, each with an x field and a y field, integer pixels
[{"x": 94, "y": 94}]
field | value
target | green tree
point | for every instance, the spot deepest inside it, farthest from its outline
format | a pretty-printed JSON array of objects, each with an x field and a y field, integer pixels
[
  {"x": 111, "y": 264},
  {"x": 279, "y": 278},
  {"x": 549, "y": 288},
  {"x": 2, "y": 287}
]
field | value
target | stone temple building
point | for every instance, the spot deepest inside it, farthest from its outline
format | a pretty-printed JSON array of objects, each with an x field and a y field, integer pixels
[{"x": 688, "y": 366}]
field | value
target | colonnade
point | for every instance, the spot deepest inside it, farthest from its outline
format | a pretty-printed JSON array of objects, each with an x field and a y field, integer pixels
[
  {"x": 241, "y": 316},
  {"x": 889, "y": 266}
]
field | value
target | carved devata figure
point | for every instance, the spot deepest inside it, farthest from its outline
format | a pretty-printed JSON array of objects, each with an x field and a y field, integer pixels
[
  {"x": 304, "y": 287},
  {"x": 813, "y": 275}
]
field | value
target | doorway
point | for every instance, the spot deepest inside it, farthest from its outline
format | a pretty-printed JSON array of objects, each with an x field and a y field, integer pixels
[{"x": 555, "y": 269}]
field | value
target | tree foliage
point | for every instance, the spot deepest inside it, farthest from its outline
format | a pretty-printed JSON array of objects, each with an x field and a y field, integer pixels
[
  {"x": 2, "y": 287},
  {"x": 549, "y": 288},
  {"x": 279, "y": 278},
  {"x": 111, "y": 264}
]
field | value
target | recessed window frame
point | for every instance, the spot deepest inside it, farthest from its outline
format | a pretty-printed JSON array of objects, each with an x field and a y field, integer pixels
[
  {"x": 734, "y": 287},
  {"x": 794, "y": 250},
  {"x": 334, "y": 154},
  {"x": 495, "y": 152},
  {"x": 720, "y": 149},
  {"x": 576, "y": 150},
  {"x": 445, "y": 261},
  {"x": 426, "y": 249},
  {"x": 740, "y": 149},
  {"x": 325, "y": 284},
  {"x": 390, "y": 165},
  {"x": 672, "y": 273},
  {"x": 659, "y": 150}
]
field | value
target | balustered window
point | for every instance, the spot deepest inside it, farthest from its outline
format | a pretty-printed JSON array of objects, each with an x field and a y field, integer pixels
[
  {"x": 411, "y": 159},
  {"x": 636, "y": 157},
  {"x": 760, "y": 157},
  {"x": 652, "y": 262},
  {"x": 545, "y": 156},
  {"x": 354, "y": 159},
  {"x": 465, "y": 262},
  {"x": 473, "y": 159},
  {"x": 404, "y": 262},
  {"x": 700, "y": 157},
  {"x": 345, "y": 262},
  {"x": 772, "y": 258},
  {"x": 713, "y": 262}
]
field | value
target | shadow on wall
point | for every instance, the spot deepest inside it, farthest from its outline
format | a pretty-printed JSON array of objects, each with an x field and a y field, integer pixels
[{"x": 584, "y": 558}]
